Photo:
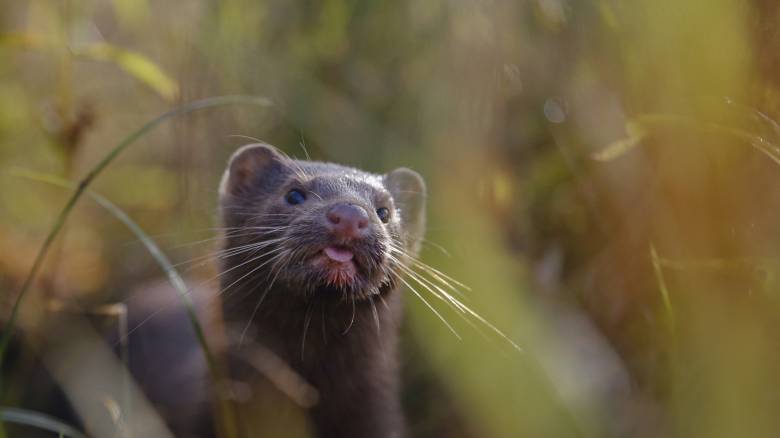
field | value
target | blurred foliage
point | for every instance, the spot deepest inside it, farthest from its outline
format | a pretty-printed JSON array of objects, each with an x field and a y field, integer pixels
[{"x": 603, "y": 174}]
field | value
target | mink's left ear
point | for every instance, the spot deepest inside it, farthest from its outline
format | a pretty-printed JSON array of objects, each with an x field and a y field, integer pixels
[{"x": 408, "y": 190}]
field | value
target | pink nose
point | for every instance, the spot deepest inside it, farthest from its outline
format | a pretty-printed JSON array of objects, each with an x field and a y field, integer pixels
[{"x": 347, "y": 221}]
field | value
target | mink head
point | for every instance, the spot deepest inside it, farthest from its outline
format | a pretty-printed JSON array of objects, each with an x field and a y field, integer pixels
[{"x": 317, "y": 229}]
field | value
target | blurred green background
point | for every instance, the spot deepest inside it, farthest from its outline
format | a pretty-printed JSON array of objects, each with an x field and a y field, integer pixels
[{"x": 602, "y": 174}]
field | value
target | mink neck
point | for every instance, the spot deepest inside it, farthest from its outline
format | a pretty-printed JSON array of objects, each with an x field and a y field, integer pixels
[
  {"x": 350, "y": 360},
  {"x": 302, "y": 327}
]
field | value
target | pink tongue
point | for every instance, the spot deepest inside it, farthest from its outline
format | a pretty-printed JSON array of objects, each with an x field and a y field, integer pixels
[{"x": 338, "y": 255}]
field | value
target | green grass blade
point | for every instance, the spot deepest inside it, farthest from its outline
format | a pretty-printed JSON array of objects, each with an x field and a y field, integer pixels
[
  {"x": 170, "y": 271},
  {"x": 636, "y": 133},
  {"x": 642, "y": 126},
  {"x": 87, "y": 180},
  {"x": 134, "y": 64},
  {"x": 665, "y": 296},
  {"x": 38, "y": 420}
]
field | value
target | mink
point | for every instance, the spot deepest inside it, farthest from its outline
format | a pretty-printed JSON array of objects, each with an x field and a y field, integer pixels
[{"x": 312, "y": 259}]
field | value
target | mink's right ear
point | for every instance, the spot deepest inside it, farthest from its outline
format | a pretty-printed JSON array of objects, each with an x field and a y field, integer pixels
[
  {"x": 408, "y": 190},
  {"x": 247, "y": 166}
]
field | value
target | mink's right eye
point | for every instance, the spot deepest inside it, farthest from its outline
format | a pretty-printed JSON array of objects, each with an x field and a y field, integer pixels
[
  {"x": 295, "y": 197},
  {"x": 383, "y": 213}
]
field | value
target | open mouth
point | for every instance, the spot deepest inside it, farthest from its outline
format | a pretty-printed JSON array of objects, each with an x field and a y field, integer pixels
[{"x": 338, "y": 264}]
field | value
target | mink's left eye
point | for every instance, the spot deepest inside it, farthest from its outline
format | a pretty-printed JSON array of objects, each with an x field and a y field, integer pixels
[{"x": 383, "y": 213}]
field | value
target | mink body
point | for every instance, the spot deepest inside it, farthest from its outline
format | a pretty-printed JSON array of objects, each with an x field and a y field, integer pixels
[{"x": 312, "y": 275}]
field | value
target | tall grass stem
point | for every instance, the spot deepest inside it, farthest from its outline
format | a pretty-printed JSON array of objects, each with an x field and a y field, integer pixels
[{"x": 173, "y": 276}]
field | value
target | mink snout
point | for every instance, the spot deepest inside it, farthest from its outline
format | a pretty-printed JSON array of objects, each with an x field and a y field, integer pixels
[{"x": 347, "y": 221}]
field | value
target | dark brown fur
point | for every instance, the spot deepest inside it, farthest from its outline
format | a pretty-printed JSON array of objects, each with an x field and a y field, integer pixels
[{"x": 341, "y": 339}]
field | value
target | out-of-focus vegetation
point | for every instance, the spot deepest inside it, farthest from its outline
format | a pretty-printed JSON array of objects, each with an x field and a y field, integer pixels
[{"x": 605, "y": 175}]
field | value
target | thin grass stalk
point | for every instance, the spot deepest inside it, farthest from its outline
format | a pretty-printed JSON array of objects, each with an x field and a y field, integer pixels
[
  {"x": 662, "y": 287},
  {"x": 38, "y": 420},
  {"x": 87, "y": 180},
  {"x": 79, "y": 191}
]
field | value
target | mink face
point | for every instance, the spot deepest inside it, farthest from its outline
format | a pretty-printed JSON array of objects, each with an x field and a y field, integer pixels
[
  {"x": 317, "y": 229},
  {"x": 337, "y": 244}
]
